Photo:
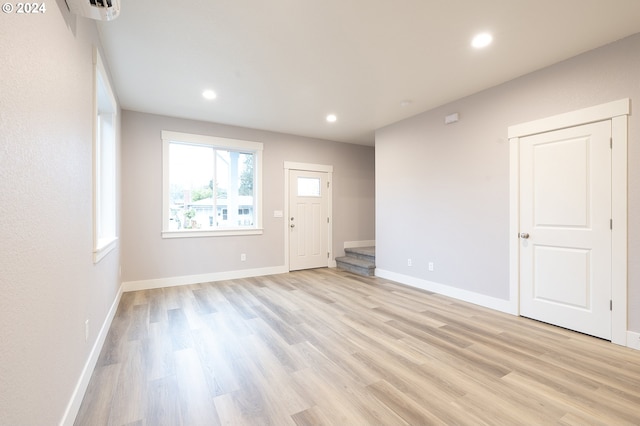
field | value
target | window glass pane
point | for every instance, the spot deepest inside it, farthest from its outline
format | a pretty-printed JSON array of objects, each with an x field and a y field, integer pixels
[
  {"x": 308, "y": 187},
  {"x": 104, "y": 166},
  {"x": 190, "y": 187},
  {"x": 211, "y": 186},
  {"x": 234, "y": 189},
  {"x": 106, "y": 175}
]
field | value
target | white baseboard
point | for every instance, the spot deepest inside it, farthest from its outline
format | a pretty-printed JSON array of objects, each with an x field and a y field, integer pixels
[
  {"x": 633, "y": 340},
  {"x": 201, "y": 278},
  {"x": 456, "y": 293},
  {"x": 73, "y": 407},
  {"x": 354, "y": 244}
]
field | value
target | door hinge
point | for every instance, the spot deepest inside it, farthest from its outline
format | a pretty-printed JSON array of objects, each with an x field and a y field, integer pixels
[
  {"x": 611, "y": 224},
  {"x": 611, "y": 143},
  {"x": 611, "y": 305},
  {"x": 327, "y": 220},
  {"x": 327, "y": 255},
  {"x": 328, "y": 184}
]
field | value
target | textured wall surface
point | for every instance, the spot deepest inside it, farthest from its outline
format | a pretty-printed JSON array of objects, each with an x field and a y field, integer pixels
[
  {"x": 458, "y": 179},
  {"x": 146, "y": 255},
  {"x": 49, "y": 282}
]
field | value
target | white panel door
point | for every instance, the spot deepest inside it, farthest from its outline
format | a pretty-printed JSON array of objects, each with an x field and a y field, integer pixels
[
  {"x": 565, "y": 239},
  {"x": 308, "y": 217}
]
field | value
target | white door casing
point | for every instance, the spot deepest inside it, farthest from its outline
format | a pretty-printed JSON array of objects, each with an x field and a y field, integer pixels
[
  {"x": 617, "y": 112},
  {"x": 308, "y": 221},
  {"x": 565, "y": 239}
]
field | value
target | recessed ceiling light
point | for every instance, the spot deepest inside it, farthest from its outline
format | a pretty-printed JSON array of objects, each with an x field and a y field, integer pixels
[
  {"x": 405, "y": 103},
  {"x": 331, "y": 118},
  {"x": 209, "y": 94},
  {"x": 482, "y": 40}
]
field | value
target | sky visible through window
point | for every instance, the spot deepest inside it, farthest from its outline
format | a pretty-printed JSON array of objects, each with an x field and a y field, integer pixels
[{"x": 191, "y": 166}]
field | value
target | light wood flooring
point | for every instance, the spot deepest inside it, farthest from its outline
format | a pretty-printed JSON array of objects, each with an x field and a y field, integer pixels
[{"x": 324, "y": 347}]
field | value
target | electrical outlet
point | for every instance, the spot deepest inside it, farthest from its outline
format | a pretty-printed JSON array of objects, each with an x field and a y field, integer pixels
[
  {"x": 431, "y": 266},
  {"x": 243, "y": 257},
  {"x": 409, "y": 262}
]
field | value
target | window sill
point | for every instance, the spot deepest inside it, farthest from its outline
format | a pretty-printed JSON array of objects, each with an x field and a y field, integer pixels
[
  {"x": 104, "y": 248},
  {"x": 217, "y": 233}
]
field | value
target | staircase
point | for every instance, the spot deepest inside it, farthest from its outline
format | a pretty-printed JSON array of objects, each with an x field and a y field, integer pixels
[{"x": 359, "y": 260}]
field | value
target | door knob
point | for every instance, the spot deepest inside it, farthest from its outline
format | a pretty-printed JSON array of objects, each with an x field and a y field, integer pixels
[{"x": 524, "y": 235}]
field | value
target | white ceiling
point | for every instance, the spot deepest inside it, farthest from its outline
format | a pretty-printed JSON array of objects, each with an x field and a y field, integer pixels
[{"x": 283, "y": 65}]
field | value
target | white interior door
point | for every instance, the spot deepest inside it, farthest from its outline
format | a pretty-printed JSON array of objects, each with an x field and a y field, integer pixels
[
  {"x": 565, "y": 234},
  {"x": 308, "y": 220}
]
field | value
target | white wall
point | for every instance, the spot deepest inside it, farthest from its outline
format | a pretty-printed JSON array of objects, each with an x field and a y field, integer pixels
[
  {"x": 147, "y": 259},
  {"x": 49, "y": 282},
  {"x": 452, "y": 206}
]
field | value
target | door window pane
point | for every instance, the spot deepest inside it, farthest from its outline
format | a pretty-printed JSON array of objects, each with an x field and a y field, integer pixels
[{"x": 308, "y": 187}]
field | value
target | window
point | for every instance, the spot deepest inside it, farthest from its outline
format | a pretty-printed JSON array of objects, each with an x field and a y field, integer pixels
[
  {"x": 104, "y": 164},
  {"x": 211, "y": 186}
]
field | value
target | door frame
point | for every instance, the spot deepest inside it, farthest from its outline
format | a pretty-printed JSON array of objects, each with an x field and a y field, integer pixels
[
  {"x": 308, "y": 167},
  {"x": 618, "y": 112}
]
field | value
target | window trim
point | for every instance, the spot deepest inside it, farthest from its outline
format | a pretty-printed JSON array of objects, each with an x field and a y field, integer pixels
[
  {"x": 104, "y": 103},
  {"x": 215, "y": 142}
]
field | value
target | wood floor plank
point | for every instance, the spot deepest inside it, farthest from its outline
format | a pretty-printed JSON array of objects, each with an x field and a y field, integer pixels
[
  {"x": 179, "y": 329},
  {"x": 339, "y": 354},
  {"x": 205, "y": 303},
  {"x": 163, "y": 402},
  {"x": 281, "y": 399},
  {"x": 411, "y": 412},
  {"x": 571, "y": 401},
  {"x": 325, "y": 347},
  {"x": 241, "y": 303},
  {"x": 250, "y": 401},
  {"x": 229, "y": 413},
  {"x": 284, "y": 352},
  {"x": 310, "y": 417},
  {"x": 128, "y": 403},
  {"x": 214, "y": 355},
  {"x": 158, "y": 352},
  {"x": 96, "y": 406},
  {"x": 344, "y": 402},
  {"x": 195, "y": 400}
]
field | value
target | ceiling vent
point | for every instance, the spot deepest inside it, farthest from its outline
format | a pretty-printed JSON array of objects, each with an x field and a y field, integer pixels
[{"x": 101, "y": 10}]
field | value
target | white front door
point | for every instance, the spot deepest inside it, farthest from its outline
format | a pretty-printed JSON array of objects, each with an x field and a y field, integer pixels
[
  {"x": 308, "y": 220},
  {"x": 565, "y": 234}
]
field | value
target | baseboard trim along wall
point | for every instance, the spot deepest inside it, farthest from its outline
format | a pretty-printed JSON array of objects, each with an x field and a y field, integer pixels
[
  {"x": 71, "y": 412},
  {"x": 201, "y": 278},
  {"x": 506, "y": 306},
  {"x": 457, "y": 293},
  {"x": 633, "y": 340}
]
